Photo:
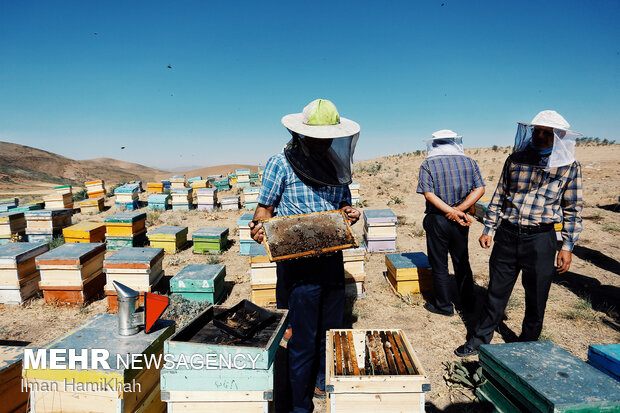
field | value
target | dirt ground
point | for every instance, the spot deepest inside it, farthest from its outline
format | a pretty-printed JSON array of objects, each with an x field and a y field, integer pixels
[{"x": 583, "y": 303}]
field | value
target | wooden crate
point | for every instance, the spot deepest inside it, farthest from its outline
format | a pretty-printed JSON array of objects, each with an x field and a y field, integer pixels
[
  {"x": 219, "y": 401},
  {"x": 85, "y": 231},
  {"x": 171, "y": 238},
  {"x": 210, "y": 239},
  {"x": 19, "y": 277},
  {"x": 96, "y": 194},
  {"x": 138, "y": 268},
  {"x": 70, "y": 264},
  {"x": 12, "y": 223},
  {"x": 198, "y": 282},
  {"x": 92, "y": 205},
  {"x": 263, "y": 295},
  {"x": 125, "y": 224},
  {"x": 72, "y": 295},
  {"x": 12, "y": 397},
  {"x": 373, "y": 370},
  {"x": 137, "y": 240},
  {"x": 158, "y": 202},
  {"x": 409, "y": 273},
  {"x": 606, "y": 358},
  {"x": 58, "y": 201},
  {"x": 47, "y": 221},
  {"x": 161, "y": 286},
  {"x": 101, "y": 332},
  {"x": 540, "y": 376},
  {"x": 154, "y": 188}
]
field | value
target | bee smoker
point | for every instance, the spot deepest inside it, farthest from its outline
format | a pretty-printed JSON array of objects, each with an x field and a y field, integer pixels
[{"x": 131, "y": 317}]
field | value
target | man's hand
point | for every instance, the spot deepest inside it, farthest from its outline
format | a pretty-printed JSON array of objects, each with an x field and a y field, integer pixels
[
  {"x": 459, "y": 216},
  {"x": 352, "y": 213},
  {"x": 256, "y": 231},
  {"x": 485, "y": 241},
  {"x": 564, "y": 259}
]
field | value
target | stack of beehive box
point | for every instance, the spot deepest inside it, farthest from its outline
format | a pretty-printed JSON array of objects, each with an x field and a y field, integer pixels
[
  {"x": 72, "y": 274},
  {"x": 154, "y": 188},
  {"x": 245, "y": 237},
  {"x": 19, "y": 277},
  {"x": 140, "y": 269},
  {"x": 197, "y": 185},
  {"x": 206, "y": 198},
  {"x": 409, "y": 273},
  {"x": 14, "y": 395},
  {"x": 12, "y": 226},
  {"x": 30, "y": 206},
  {"x": 158, "y": 202},
  {"x": 261, "y": 171},
  {"x": 7, "y": 204},
  {"x": 254, "y": 179},
  {"x": 354, "y": 187},
  {"x": 166, "y": 183},
  {"x": 250, "y": 198},
  {"x": 210, "y": 240},
  {"x": 380, "y": 230},
  {"x": 44, "y": 225},
  {"x": 246, "y": 387},
  {"x": 540, "y": 376},
  {"x": 171, "y": 238},
  {"x": 117, "y": 386},
  {"x": 125, "y": 229},
  {"x": 89, "y": 232},
  {"x": 222, "y": 184},
  {"x": 243, "y": 177},
  {"x": 127, "y": 197},
  {"x": 263, "y": 276},
  {"x": 61, "y": 198},
  {"x": 92, "y": 205},
  {"x": 194, "y": 179},
  {"x": 182, "y": 199},
  {"x": 95, "y": 189},
  {"x": 373, "y": 371},
  {"x": 230, "y": 203},
  {"x": 211, "y": 180},
  {"x": 178, "y": 181},
  {"x": 354, "y": 272},
  {"x": 198, "y": 282}
]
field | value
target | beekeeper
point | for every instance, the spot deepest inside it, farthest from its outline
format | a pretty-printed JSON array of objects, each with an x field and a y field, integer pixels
[
  {"x": 312, "y": 174},
  {"x": 540, "y": 186}
]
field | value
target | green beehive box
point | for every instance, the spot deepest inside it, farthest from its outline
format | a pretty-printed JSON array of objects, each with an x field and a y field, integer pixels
[
  {"x": 210, "y": 240},
  {"x": 200, "y": 283},
  {"x": 540, "y": 376},
  {"x": 138, "y": 240}
]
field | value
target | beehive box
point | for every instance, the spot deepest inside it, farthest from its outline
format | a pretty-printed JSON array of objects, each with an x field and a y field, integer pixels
[
  {"x": 13, "y": 398},
  {"x": 222, "y": 184},
  {"x": 30, "y": 206},
  {"x": 154, "y": 187},
  {"x": 540, "y": 376},
  {"x": 85, "y": 231},
  {"x": 137, "y": 240},
  {"x": 7, "y": 204},
  {"x": 161, "y": 286},
  {"x": 158, "y": 202},
  {"x": 606, "y": 358},
  {"x": 92, "y": 205},
  {"x": 125, "y": 224},
  {"x": 243, "y": 177},
  {"x": 196, "y": 186},
  {"x": 239, "y": 390},
  {"x": 133, "y": 390},
  {"x": 245, "y": 236},
  {"x": 95, "y": 189},
  {"x": 126, "y": 194},
  {"x": 206, "y": 199},
  {"x": 171, "y": 238},
  {"x": 72, "y": 274},
  {"x": 354, "y": 271},
  {"x": 45, "y": 224},
  {"x": 229, "y": 203},
  {"x": 19, "y": 277},
  {"x": 137, "y": 268},
  {"x": 409, "y": 273},
  {"x": 12, "y": 224},
  {"x": 58, "y": 201},
  {"x": 255, "y": 179},
  {"x": 182, "y": 199},
  {"x": 178, "y": 181},
  {"x": 250, "y": 198},
  {"x": 263, "y": 277},
  {"x": 210, "y": 239},
  {"x": 373, "y": 370},
  {"x": 198, "y": 282},
  {"x": 63, "y": 189}
]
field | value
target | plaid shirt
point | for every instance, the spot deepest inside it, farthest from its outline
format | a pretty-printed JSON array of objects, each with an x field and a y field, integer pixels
[
  {"x": 282, "y": 189},
  {"x": 450, "y": 177},
  {"x": 529, "y": 195}
]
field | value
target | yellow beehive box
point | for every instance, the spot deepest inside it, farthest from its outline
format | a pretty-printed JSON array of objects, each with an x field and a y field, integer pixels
[
  {"x": 171, "y": 238},
  {"x": 409, "y": 273},
  {"x": 154, "y": 188},
  {"x": 263, "y": 295},
  {"x": 85, "y": 232}
]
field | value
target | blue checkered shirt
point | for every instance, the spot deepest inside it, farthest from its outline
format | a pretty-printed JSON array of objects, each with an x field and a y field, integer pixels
[
  {"x": 450, "y": 177},
  {"x": 281, "y": 188},
  {"x": 529, "y": 195}
]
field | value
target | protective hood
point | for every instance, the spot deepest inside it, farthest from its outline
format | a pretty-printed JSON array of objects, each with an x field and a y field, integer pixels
[
  {"x": 322, "y": 161},
  {"x": 444, "y": 142},
  {"x": 546, "y": 141}
]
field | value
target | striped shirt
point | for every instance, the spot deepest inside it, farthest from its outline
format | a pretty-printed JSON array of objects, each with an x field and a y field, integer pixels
[
  {"x": 450, "y": 177},
  {"x": 529, "y": 195},
  {"x": 281, "y": 188}
]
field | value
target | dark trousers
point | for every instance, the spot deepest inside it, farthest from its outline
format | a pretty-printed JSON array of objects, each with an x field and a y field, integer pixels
[
  {"x": 442, "y": 237},
  {"x": 534, "y": 255},
  {"x": 316, "y": 304}
]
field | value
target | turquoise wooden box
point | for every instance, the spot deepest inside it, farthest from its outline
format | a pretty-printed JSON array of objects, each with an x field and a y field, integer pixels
[
  {"x": 138, "y": 240},
  {"x": 196, "y": 178},
  {"x": 158, "y": 202},
  {"x": 606, "y": 358},
  {"x": 191, "y": 340},
  {"x": 128, "y": 206},
  {"x": 42, "y": 237},
  {"x": 540, "y": 376},
  {"x": 198, "y": 282}
]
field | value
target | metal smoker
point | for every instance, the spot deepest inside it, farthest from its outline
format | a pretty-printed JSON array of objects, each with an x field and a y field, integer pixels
[{"x": 131, "y": 317}]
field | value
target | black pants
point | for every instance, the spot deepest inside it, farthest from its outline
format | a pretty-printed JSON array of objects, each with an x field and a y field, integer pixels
[
  {"x": 442, "y": 237},
  {"x": 534, "y": 255}
]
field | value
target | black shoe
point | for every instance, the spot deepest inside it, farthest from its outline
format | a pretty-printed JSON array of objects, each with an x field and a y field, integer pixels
[
  {"x": 466, "y": 351},
  {"x": 430, "y": 307}
]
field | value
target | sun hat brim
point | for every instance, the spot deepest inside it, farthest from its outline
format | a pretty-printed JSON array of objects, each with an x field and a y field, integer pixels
[
  {"x": 295, "y": 122},
  {"x": 549, "y": 126}
]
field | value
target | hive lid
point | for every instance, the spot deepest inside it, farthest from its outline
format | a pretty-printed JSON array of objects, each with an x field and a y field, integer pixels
[
  {"x": 71, "y": 254},
  {"x": 17, "y": 252},
  {"x": 126, "y": 217},
  {"x": 379, "y": 215},
  {"x": 129, "y": 255},
  {"x": 245, "y": 219},
  {"x": 162, "y": 198},
  {"x": 408, "y": 260},
  {"x": 168, "y": 230},
  {"x": 210, "y": 232},
  {"x": 44, "y": 213}
]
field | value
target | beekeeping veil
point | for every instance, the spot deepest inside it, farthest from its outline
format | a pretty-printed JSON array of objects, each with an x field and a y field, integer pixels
[
  {"x": 321, "y": 150},
  {"x": 533, "y": 139},
  {"x": 444, "y": 142}
]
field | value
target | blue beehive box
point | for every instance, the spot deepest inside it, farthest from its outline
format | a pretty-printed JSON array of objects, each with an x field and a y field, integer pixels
[
  {"x": 200, "y": 283},
  {"x": 127, "y": 189},
  {"x": 166, "y": 183},
  {"x": 606, "y": 358},
  {"x": 128, "y": 206},
  {"x": 158, "y": 202},
  {"x": 245, "y": 239}
]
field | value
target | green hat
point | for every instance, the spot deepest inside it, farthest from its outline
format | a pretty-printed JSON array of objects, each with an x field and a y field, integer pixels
[{"x": 320, "y": 119}]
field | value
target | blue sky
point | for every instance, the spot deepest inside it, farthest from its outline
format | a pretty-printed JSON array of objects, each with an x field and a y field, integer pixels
[{"x": 84, "y": 78}]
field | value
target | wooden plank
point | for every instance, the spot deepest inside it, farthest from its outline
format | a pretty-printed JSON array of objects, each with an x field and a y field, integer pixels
[
  {"x": 403, "y": 353},
  {"x": 338, "y": 353},
  {"x": 377, "y": 402},
  {"x": 375, "y": 364},
  {"x": 356, "y": 370},
  {"x": 399, "y": 360},
  {"x": 381, "y": 353},
  {"x": 221, "y": 407},
  {"x": 346, "y": 359},
  {"x": 388, "y": 353},
  {"x": 216, "y": 396}
]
